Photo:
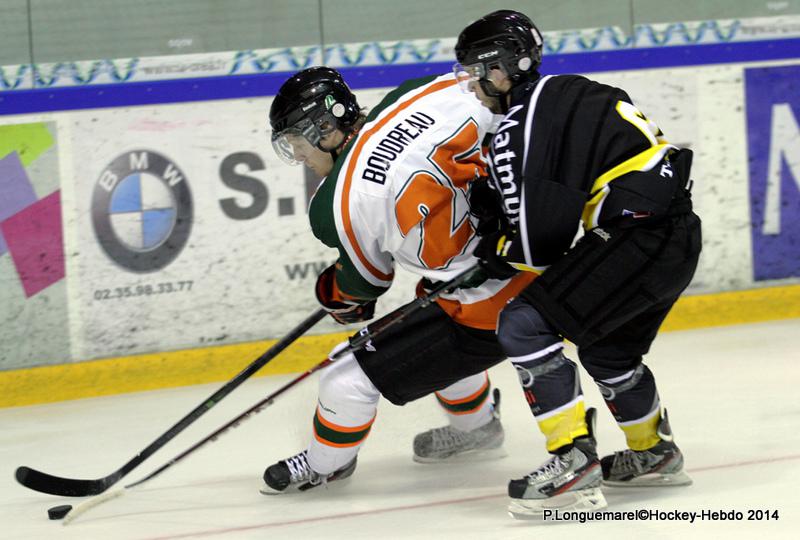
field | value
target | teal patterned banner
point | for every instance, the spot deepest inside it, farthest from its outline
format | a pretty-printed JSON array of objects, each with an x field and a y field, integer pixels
[{"x": 113, "y": 71}]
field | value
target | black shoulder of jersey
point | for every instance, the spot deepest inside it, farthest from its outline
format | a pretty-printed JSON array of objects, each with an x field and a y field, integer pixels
[{"x": 578, "y": 84}]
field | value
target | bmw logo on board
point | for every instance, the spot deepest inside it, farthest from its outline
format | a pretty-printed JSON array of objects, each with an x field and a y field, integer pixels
[{"x": 142, "y": 210}]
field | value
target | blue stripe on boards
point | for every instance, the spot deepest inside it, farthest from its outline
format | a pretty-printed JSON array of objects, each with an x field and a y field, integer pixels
[{"x": 261, "y": 85}]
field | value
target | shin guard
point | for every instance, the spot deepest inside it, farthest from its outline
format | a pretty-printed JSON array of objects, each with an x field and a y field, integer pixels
[
  {"x": 633, "y": 400},
  {"x": 348, "y": 403}
]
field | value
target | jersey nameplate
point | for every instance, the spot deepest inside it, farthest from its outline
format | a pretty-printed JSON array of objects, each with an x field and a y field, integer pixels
[
  {"x": 392, "y": 145},
  {"x": 502, "y": 157}
]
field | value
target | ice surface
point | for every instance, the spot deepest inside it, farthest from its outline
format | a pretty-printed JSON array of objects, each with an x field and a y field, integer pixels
[{"x": 732, "y": 394}]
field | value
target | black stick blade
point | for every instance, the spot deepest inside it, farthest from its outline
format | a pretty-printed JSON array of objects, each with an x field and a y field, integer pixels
[{"x": 66, "y": 487}]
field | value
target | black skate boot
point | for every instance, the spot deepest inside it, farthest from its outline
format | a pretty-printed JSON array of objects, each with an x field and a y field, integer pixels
[
  {"x": 294, "y": 474},
  {"x": 566, "y": 482},
  {"x": 661, "y": 465}
]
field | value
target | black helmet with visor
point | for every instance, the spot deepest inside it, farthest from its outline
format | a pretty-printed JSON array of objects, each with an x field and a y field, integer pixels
[
  {"x": 310, "y": 105},
  {"x": 505, "y": 40}
]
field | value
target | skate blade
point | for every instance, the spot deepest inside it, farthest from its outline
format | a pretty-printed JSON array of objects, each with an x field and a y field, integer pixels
[
  {"x": 471, "y": 456},
  {"x": 653, "y": 480},
  {"x": 269, "y": 492},
  {"x": 585, "y": 499},
  {"x": 266, "y": 490}
]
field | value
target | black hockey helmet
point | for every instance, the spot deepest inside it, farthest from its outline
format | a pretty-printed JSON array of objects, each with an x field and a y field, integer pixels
[
  {"x": 502, "y": 39},
  {"x": 311, "y": 104}
]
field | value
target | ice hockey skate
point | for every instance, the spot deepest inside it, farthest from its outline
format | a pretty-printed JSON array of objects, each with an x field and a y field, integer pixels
[
  {"x": 451, "y": 445},
  {"x": 294, "y": 474},
  {"x": 566, "y": 482},
  {"x": 661, "y": 465}
]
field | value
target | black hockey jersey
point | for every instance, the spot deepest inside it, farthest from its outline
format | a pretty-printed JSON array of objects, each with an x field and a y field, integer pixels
[{"x": 571, "y": 150}]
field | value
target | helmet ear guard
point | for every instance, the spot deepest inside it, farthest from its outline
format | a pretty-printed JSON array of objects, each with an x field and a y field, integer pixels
[{"x": 337, "y": 109}]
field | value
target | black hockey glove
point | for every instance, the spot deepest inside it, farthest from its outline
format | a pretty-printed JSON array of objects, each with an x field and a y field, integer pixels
[
  {"x": 491, "y": 250},
  {"x": 485, "y": 204},
  {"x": 343, "y": 309}
]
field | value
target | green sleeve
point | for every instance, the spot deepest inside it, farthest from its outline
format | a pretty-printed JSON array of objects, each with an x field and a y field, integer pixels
[{"x": 323, "y": 224}]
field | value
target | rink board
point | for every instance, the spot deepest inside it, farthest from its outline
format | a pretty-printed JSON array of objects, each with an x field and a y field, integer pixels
[
  {"x": 184, "y": 241},
  {"x": 221, "y": 363}
]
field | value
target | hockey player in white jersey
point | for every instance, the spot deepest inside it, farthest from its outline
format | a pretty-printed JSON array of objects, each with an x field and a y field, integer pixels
[{"x": 394, "y": 193}]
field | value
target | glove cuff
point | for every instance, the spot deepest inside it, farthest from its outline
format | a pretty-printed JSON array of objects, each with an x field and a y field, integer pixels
[
  {"x": 329, "y": 295},
  {"x": 342, "y": 307}
]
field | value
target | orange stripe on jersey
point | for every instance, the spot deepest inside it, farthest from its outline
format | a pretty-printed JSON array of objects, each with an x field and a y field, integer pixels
[
  {"x": 362, "y": 139},
  {"x": 483, "y": 314},
  {"x": 468, "y": 398}
]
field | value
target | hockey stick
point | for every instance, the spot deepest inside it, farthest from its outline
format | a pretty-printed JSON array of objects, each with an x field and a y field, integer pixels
[
  {"x": 88, "y": 504},
  {"x": 74, "y": 487},
  {"x": 356, "y": 342}
]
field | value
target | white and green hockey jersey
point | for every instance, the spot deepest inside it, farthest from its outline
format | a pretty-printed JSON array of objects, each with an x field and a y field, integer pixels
[{"x": 398, "y": 195}]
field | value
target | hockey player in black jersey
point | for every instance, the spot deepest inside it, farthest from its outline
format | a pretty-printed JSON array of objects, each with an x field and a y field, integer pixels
[{"x": 572, "y": 151}]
